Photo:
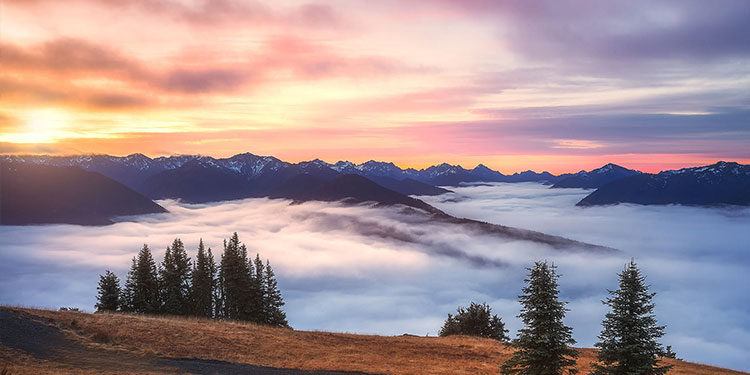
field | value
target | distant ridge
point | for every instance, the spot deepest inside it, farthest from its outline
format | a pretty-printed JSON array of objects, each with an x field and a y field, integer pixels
[
  {"x": 265, "y": 173},
  {"x": 198, "y": 179},
  {"x": 595, "y": 177},
  {"x": 721, "y": 183},
  {"x": 40, "y": 194}
]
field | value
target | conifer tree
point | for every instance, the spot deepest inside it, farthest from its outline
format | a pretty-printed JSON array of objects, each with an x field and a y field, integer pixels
[
  {"x": 628, "y": 338},
  {"x": 254, "y": 306},
  {"x": 142, "y": 286},
  {"x": 272, "y": 300},
  {"x": 542, "y": 345},
  {"x": 203, "y": 282},
  {"x": 109, "y": 292},
  {"x": 126, "y": 294},
  {"x": 175, "y": 279},
  {"x": 476, "y": 320},
  {"x": 234, "y": 276}
]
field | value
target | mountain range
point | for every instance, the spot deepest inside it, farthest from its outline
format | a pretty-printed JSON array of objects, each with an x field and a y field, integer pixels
[
  {"x": 717, "y": 184},
  {"x": 197, "y": 179},
  {"x": 200, "y": 179},
  {"x": 44, "y": 194}
]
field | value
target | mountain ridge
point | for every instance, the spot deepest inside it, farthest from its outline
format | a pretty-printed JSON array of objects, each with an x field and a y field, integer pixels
[
  {"x": 722, "y": 183},
  {"x": 595, "y": 178},
  {"x": 134, "y": 169},
  {"x": 34, "y": 194}
]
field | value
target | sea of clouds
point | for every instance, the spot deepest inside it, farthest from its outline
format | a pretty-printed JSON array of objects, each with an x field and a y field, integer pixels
[{"x": 390, "y": 271}]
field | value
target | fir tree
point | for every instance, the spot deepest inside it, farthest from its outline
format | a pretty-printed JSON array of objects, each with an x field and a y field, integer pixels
[
  {"x": 272, "y": 300},
  {"x": 476, "y": 320},
  {"x": 126, "y": 294},
  {"x": 628, "y": 338},
  {"x": 175, "y": 279},
  {"x": 109, "y": 292},
  {"x": 542, "y": 345},
  {"x": 234, "y": 278},
  {"x": 203, "y": 283},
  {"x": 254, "y": 306},
  {"x": 142, "y": 286}
]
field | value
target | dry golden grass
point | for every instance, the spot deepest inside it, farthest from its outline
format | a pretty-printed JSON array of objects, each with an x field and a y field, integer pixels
[{"x": 278, "y": 347}]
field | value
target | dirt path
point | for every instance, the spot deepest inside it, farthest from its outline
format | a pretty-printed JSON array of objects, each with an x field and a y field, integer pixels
[{"x": 38, "y": 338}]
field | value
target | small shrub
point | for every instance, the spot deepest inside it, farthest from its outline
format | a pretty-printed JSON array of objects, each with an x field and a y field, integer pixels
[{"x": 476, "y": 320}]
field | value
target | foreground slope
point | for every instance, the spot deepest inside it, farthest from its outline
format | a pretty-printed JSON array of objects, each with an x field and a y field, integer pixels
[
  {"x": 40, "y": 194},
  {"x": 159, "y": 339}
]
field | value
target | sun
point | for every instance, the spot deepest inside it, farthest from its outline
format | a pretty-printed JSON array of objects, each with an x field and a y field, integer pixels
[{"x": 46, "y": 125}]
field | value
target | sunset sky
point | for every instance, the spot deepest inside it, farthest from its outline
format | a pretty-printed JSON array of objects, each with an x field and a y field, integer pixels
[{"x": 545, "y": 85}]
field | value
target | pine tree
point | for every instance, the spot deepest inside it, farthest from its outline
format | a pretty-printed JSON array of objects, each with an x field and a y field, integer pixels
[
  {"x": 272, "y": 300},
  {"x": 234, "y": 279},
  {"x": 109, "y": 292},
  {"x": 175, "y": 279},
  {"x": 628, "y": 338},
  {"x": 476, "y": 320},
  {"x": 126, "y": 294},
  {"x": 203, "y": 283},
  {"x": 142, "y": 286},
  {"x": 542, "y": 345},
  {"x": 254, "y": 306}
]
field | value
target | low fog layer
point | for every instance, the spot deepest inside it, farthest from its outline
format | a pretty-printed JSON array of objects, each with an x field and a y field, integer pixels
[
  {"x": 387, "y": 271},
  {"x": 697, "y": 260}
]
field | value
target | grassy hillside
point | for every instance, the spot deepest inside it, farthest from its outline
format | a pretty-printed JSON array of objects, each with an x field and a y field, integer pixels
[{"x": 129, "y": 336}]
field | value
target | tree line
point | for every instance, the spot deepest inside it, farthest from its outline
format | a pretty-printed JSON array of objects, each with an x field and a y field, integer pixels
[
  {"x": 238, "y": 288},
  {"x": 628, "y": 340}
]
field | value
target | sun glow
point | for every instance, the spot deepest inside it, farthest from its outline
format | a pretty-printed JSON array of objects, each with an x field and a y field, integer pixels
[{"x": 42, "y": 126}]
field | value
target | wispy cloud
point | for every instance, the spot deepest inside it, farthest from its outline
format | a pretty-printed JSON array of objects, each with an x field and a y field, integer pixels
[{"x": 527, "y": 74}]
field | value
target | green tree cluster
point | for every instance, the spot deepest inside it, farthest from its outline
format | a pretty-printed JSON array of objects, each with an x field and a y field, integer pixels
[{"x": 238, "y": 288}]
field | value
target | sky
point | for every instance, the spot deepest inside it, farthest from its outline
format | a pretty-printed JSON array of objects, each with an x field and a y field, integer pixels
[
  {"x": 382, "y": 270},
  {"x": 545, "y": 85}
]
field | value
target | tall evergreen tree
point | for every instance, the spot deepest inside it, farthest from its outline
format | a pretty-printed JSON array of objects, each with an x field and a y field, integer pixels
[
  {"x": 109, "y": 292},
  {"x": 203, "y": 283},
  {"x": 272, "y": 300},
  {"x": 126, "y": 294},
  {"x": 142, "y": 286},
  {"x": 234, "y": 278},
  {"x": 175, "y": 279},
  {"x": 628, "y": 338},
  {"x": 254, "y": 306},
  {"x": 542, "y": 345}
]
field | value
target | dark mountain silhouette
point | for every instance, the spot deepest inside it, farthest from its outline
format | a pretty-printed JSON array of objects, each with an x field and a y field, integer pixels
[
  {"x": 41, "y": 194},
  {"x": 347, "y": 187},
  {"x": 301, "y": 187},
  {"x": 444, "y": 174},
  {"x": 720, "y": 183},
  {"x": 266, "y": 173},
  {"x": 531, "y": 176},
  {"x": 596, "y": 177},
  {"x": 196, "y": 181},
  {"x": 131, "y": 170},
  {"x": 408, "y": 186}
]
